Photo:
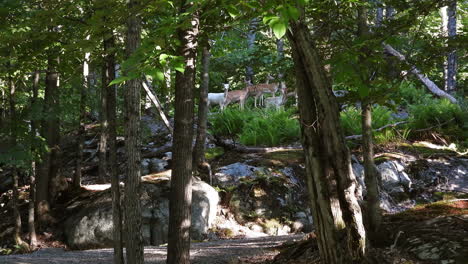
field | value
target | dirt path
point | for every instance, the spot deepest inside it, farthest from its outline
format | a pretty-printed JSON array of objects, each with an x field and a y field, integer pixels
[{"x": 213, "y": 252}]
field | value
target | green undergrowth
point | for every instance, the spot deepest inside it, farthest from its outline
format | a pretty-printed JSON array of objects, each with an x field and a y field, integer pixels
[
  {"x": 257, "y": 127},
  {"x": 381, "y": 116}
]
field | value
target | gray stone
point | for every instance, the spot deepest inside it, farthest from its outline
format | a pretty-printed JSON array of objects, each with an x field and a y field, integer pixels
[
  {"x": 90, "y": 224},
  {"x": 233, "y": 173}
]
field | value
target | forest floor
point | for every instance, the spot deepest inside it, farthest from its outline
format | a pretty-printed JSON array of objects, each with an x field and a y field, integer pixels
[{"x": 231, "y": 251}]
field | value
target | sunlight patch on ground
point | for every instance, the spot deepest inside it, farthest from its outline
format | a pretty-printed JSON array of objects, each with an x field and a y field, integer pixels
[{"x": 97, "y": 187}]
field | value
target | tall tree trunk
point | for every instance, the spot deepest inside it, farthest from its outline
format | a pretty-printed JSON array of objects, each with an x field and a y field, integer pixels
[
  {"x": 181, "y": 181},
  {"x": 328, "y": 162},
  {"x": 32, "y": 177},
  {"x": 450, "y": 30},
  {"x": 199, "y": 149},
  {"x": 133, "y": 238},
  {"x": 104, "y": 137},
  {"x": 109, "y": 75},
  {"x": 371, "y": 174},
  {"x": 84, "y": 88},
  {"x": 251, "y": 35},
  {"x": 14, "y": 170},
  {"x": 51, "y": 132}
]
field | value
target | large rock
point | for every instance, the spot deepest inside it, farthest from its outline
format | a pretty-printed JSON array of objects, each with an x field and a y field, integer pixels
[
  {"x": 90, "y": 225},
  {"x": 232, "y": 174}
]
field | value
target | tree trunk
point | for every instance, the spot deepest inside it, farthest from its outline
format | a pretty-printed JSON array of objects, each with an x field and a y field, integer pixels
[
  {"x": 199, "y": 149},
  {"x": 450, "y": 28},
  {"x": 82, "y": 119},
  {"x": 251, "y": 35},
  {"x": 330, "y": 180},
  {"x": 372, "y": 212},
  {"x": 181, "y": 180},
  {"x": 426, "y": 81},
  {"x": 109, "y": 74},
  {"x": 371, "y": 174},
  {"x": 32, "y": 177},
  {"x": 51, "y": 132},
  {"x": 133, "y": 238},
  {"x": 104, "y": 137},
  {"x": 14, "y": 170}
]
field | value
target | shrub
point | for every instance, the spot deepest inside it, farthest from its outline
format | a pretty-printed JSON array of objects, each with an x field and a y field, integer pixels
[
  {"x": 352, "y": 125},
  {"x": 257, "y": 127},
  {"x": 409, "y": 94},
  {"x": 441, "y": 116}
]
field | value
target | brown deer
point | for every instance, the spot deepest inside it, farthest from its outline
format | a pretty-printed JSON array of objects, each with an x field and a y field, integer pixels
[
  {"x": 237, "y": 96},
  {"x": 259, "y": 89}
]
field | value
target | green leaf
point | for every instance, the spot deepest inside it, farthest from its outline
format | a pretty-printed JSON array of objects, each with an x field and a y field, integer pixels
[
  {"x": 232, "y": 11},
  {"x": 293, "y": 13},
  {"x": 119, "y": 80},
  {"x": 363, "y": 91},
  {"x": 279, "y": 29}
]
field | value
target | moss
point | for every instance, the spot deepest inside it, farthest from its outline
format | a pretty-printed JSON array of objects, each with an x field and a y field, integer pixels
[
  {"x": 427, "y": 211},
  {"x": 426, "y": 151},
  {"x": 213, "y": 153}
]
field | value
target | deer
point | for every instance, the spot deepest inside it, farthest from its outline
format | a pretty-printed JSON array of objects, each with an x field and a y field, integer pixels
[
  {"x": 218, "y": 98},
  {"x": 277, "y": 101},
  {"x": 259, "y": 89},
  {"x": 237, "y": 96}
]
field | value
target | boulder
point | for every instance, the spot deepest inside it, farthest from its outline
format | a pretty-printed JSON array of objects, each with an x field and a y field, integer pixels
[{"x": 90, "y": 224}]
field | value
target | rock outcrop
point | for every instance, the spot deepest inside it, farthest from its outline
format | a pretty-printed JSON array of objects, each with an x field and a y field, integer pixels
[{"x": 90, "y": 224}]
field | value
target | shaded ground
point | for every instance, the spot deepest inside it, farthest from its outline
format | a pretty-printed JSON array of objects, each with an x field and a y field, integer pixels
[{"x": 214, "y": 252}]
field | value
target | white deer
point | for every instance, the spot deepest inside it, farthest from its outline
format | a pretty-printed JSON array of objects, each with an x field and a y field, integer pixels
[
  {"x": 277, "y": 102},
  {"x": 218, "y": 98}
]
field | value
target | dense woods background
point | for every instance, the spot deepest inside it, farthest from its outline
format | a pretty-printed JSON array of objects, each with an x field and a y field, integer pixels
[{"x": 348, "y": 74}]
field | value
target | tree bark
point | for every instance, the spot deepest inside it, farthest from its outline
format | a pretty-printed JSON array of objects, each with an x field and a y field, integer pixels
[
  {"x": 449, "y": 18},
  {"x": 82, "y": 119},
  {"x": 426, "y": 81},
  {"x": 32, "y": 177},
  {"x": 109, "y": 75},
  {"x": 330, "y": 180},
  {"x": 372, "y": 212},
  {"x": 251, "y": 35},
  {"x": 51, "y": 132},
  {"x": 14, "y": 170},
  {"x": 133, "y": 238},
  {"x": 181, "y": 180},
  {"x": 104, "y": 137},
  {"x": 199, "y": 149}
]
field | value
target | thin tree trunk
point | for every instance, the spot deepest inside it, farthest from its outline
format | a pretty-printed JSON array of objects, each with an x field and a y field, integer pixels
[
  {"x": 181, "y": 180},
  {"x": 109, "y": 74},
  {"x": 251, "y": 36},
  {"x": 371, "y": 174},
  {"x": 82, "y": 118},
  {"x": 104, "y": 137},
  {"x": 133, "y": 238},
  {"x": 426, "y": 81},
  {"x": 14, "y": 170},
  {"x": 199, "y": 149},
  {"x": 451, "y": 69},
  {"x": 330, "y": 180},
  {"x": 51, "y": 132},
  {"x": 372, "y": 212},
  {"x": 32, "y": 177}
]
